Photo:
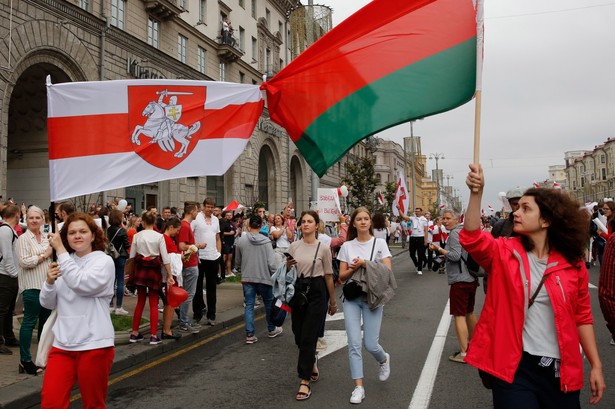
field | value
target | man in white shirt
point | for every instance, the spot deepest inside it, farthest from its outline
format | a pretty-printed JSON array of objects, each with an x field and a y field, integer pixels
[
  {"x": 206, "y": 228},
  {"x": 418, "y": 230}
]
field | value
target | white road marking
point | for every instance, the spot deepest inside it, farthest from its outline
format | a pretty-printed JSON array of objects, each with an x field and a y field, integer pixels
[
  {"x": 424, "y": 387},
  {"x": 336, "y": 340},
  {"x": 592, "y": 286}
]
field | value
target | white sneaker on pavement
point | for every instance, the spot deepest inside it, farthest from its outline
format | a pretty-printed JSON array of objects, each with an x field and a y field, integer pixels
[
  {"x": 358, "y": 394},
  {"x": 385, "y": 368},
  {"x": 277, "y": 331},
  {"x": 612, "y": 342},
  {"x": 120, "y": 311},
  {"x": 419, "y": 272}
]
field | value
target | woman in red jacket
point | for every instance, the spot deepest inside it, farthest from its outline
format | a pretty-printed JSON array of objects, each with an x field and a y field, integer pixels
[{"x": 537, "y": 310}]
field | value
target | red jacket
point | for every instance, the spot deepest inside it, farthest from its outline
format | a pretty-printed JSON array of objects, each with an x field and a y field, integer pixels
[{"x": 497, "y": 343}]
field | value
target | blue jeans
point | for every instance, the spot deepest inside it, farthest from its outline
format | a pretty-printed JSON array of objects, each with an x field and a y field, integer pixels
[
  {"x": 32, "y": 312},
  {"x": 249, "y": 294},
  {"x": 190, "y": 276},
  {"x": 119, "y": 262},
  {"x": 353, "y": 310}
]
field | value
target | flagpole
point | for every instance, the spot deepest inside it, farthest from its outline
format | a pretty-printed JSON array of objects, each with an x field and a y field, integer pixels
[{"x": 477, "y": 113}]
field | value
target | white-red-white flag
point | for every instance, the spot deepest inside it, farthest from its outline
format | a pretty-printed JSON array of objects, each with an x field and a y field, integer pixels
[
  {"x": 556, "y": 185},
  {"x": 442, "y": 207},
  {"x": 536, "y": 185},
  {"x": 402, "y": 198},
  {"x": 110, "y": 134},
  {"x": 380, "y": 198}
]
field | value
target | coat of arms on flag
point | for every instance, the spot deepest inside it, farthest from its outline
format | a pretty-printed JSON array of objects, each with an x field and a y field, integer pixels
[{"x": 165, "y": 122}]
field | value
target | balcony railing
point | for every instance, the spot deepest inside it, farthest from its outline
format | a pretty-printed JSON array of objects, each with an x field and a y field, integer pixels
[
  {"x": 228, "y": 48},
  {"x": 163, "y": 10}
]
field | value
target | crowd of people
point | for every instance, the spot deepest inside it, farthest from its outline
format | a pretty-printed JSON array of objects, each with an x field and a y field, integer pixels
[{"x": 534, "y": 262}]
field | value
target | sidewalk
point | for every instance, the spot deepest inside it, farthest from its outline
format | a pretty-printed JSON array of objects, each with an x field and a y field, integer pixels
[{"x": 19, "y": 391}]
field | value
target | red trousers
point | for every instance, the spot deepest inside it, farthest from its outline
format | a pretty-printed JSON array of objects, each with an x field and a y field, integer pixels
[{"x": 64, "y": 368}]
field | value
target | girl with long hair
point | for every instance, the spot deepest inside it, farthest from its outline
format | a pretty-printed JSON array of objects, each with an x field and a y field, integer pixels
[
  {"x": 79, "y": 287},
  {"x": 537, "y": 310},
  {"x": 315, "y": 280},
  {"x": 361, "y": 246}
]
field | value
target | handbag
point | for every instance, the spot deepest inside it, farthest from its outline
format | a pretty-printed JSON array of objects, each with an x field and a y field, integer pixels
[
  {"x": 300, "y": 299},
  {"x": 352, "y": 289},
  {"x": 46, "y": 340},
  {"x": 110, "y": 248},
  {"x": 278, "y": 312}
]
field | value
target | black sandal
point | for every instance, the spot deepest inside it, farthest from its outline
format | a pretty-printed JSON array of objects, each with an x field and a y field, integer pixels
[{"x": 304, "y": 395}]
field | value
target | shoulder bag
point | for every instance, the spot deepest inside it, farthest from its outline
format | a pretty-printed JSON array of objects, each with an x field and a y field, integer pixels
[
  {"x": 300, "y": 299},
  {"x": 352, "y": 289}
]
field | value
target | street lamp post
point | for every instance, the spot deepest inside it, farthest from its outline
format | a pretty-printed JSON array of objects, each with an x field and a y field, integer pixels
[{"x": 437, "y": 157}]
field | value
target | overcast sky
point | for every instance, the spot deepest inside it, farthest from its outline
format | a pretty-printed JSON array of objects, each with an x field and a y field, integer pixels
[{"x": 548, "y": 88}]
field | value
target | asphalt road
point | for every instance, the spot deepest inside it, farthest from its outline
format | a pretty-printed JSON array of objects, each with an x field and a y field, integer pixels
[{"x": 226, "y": 373}]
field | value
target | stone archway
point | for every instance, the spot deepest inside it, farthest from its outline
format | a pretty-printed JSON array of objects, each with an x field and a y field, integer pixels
[
  {"x": 267, "y": 177},
  {"x": 297, "y": 185},
  {"x": 27, "y": 176}
]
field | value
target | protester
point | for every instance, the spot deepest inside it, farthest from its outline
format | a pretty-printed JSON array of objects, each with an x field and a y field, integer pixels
[
  {"x": 9, "y": 286},
  {"x": 258, "y": 262},
  {"x": 281, "y": 234},
  {"x": 606, "y": 287},
  {"x": 170, "y": 229},
  {"x": 190, "y": 272},
  {"x": 33, "y": 257},
  {"x": 379, "y": 226},
  {"x": 206, "y": 228},
  {"x": 228, "y": 231},
  {"x": 462, "y": 294},
  {"x": 314, "y": 279},
  {"x": 148, "y": 253},
  {"x": 79, "y": 287},
  {"x": 537, "y": 310},
  {"x": 116, "y": 234},
  {"x": 417, "y": 229},
  {"x": 363, "y": 251}
]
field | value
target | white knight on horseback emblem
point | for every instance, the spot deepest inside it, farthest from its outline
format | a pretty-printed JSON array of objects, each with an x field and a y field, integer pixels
[{"x": 162, "y": 124}]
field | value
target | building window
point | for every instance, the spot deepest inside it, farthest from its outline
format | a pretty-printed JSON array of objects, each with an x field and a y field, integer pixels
[
  {"x": 183, "y": 4},
  {"x": 222, "y": 71},
  {"x": 582, "y": 182},
  {"x": 254, "y": 49},
  {"x": 602, "y": 158},
  {"x": 182, "y": 45},
  {"x": 242, "y": 77},
  {"x": 603, "y": 173},
  {"x": 253, "y": 9},
  {"x": 152, "y": 32},
  {"x": 201, "y": 60},
  {"x": 203, "y": 10},
  {"x": 281, "y": 28},
  {"x": 253, "y": 82},
  {"x": 242, "y": 4},
  {"x": 85, "y": 4},
  {"x": 117, "y": 13},
  {"x": 242, "y": 38},
  {"x": 268, "y": 18}
]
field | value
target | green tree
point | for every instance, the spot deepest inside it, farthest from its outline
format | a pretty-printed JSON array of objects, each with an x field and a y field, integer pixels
[
  {"x": 389, "y": 195},
  {"x": 361, "y": 182}
]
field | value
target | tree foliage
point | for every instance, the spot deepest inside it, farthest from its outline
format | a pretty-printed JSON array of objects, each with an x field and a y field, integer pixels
[{"x": 361, "y": 182}]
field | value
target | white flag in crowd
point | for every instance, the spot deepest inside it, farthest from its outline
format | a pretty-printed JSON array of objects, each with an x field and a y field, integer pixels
[{"x": 402, "y": 198}]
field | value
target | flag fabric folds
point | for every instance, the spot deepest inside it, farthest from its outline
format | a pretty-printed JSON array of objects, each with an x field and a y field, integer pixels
[
  {"x": 110, "y": 134},
  {"x": 401, "y": 198},
  {"x": 389, "y": 63}
]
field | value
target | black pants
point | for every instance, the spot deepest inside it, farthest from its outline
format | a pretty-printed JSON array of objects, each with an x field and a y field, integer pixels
[
  {"x": 417, "y": 251},
  {"x": 534, "y": 387},
  {"x": 307, "y": 323},
  {"x": 8, "y": 295},
  {"x": 208, "y": 270}
]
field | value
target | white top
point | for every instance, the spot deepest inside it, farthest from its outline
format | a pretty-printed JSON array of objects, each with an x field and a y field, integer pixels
[
  {"x": 380, "y": 233},
  {"x": 324, "y": 239},
  {"x": 353, "y": 249},
  {"x": 32, "y": 275},
  {"x": 539, "y": 333},
  {"x": 206, "y": 231},
  {"x": 429, "y": 231},
  {"x": 149, "y": 243},
  {"x": 282, "y": 241},
  {"x": 81, "y": 296},
  {"x": 416, "y": 226}
]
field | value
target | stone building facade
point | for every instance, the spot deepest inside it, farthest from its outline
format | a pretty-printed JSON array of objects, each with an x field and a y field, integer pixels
[
  {"x": 88, "y": 40},
  {"x": 590, "y": 175}
]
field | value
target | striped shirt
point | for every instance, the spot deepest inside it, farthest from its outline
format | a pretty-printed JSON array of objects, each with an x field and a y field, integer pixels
[{"x": 32, "y": 274}]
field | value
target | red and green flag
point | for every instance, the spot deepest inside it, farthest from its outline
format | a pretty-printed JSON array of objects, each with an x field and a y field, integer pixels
[{"x": 389, "y": 63}]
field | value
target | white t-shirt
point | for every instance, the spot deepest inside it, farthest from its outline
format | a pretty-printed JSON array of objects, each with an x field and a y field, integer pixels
[
  {"x": 429, "y": 231},
  {"x": 324, "y": 239},
  {"x": 380, "y": 233},
  {"x": 353, "y": 249},
  {"x": 416, "y": 226},
  {"x": 282, "y": 241},
  {"x": 206, "y": 231}
]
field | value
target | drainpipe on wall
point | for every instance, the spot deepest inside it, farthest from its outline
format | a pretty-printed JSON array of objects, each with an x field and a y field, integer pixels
[{"x": 101, "y": 67}]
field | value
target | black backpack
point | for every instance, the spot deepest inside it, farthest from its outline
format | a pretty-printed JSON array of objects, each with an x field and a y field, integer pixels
[{"x": 474, "y": 268}]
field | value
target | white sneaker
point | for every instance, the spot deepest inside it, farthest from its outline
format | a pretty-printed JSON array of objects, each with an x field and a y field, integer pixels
[
  {"x": 121, "y": 311},
  {"x": 385, "y": 368},
  {"x": 111, "y": 310},
  {"x": 612, "y": 342},
  {"x": 357, "y": 395},
  {"x": 277, "y": 331},
  {"x": 419, "y": 272}
]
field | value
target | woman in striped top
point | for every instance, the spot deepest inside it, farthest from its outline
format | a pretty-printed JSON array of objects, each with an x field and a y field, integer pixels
[{"x": 33, "y": 256}]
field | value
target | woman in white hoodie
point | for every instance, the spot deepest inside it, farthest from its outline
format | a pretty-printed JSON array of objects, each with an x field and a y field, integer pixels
[{"x": 79, "y": 287}]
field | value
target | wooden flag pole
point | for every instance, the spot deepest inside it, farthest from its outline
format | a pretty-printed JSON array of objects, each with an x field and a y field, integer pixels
[{"x": 477, "y": 128}]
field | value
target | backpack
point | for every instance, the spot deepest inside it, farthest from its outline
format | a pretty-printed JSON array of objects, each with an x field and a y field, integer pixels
[
  {"x": 13, "y": 239},
  {"x": 474, "y": 268},
  {"x": 110, "y": 248}
]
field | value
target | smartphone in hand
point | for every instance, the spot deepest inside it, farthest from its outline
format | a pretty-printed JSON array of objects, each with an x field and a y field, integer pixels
[{"x": 288, "y": 256}]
